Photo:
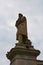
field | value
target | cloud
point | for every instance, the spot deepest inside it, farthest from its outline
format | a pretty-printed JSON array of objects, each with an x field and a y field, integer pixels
[{"x": 9, "y": 9}]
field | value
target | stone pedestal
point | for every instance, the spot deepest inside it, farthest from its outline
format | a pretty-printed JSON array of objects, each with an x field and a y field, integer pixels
[{"x": 23, "y": 54}]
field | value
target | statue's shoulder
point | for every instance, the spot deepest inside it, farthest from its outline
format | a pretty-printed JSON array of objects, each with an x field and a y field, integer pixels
[{"x": 23, "y": 18}]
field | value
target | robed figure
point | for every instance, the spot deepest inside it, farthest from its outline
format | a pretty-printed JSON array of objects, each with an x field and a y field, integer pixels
[{"x": 21, "y": 25}]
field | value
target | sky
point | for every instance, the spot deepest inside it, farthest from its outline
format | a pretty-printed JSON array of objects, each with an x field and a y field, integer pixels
[{"x": 9, "y": 9}]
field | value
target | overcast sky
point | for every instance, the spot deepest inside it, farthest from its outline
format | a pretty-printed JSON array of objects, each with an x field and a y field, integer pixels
[{"x": 9, "y": 9}]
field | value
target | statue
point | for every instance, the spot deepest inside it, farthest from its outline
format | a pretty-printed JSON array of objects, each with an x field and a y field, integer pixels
[
  {"x": 21, "y": 25},
  {"x": 23, "y": 50}
]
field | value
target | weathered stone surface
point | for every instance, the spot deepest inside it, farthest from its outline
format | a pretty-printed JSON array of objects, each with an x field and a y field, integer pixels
[
  {"x": 21, "y": 25},
  {"x": 23, "y": 53},
  {"x": 24, "y": 62},
  {"x": 39, "y": 62}
]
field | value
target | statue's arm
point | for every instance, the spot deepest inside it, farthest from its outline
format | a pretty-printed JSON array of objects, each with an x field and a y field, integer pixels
[
  {"x": 19, "y": 21},
  {"x": 16, "y": 24},
  {"x": 23, "y": 19}
]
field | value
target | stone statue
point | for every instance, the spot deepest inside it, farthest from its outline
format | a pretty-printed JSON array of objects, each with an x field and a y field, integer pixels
[
  {"x": 23, "y": 53},
  {"x": 21, "y": 25}
]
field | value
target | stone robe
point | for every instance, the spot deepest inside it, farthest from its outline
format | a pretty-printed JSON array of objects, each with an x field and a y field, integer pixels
[{"x": 21, "y": 27}]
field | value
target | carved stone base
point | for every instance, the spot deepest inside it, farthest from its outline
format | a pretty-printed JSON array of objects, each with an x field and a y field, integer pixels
[
  {"x": 23, "y": 54},
  {"x": 23, "y": 60},
  {"x": 25, "y": 45}
]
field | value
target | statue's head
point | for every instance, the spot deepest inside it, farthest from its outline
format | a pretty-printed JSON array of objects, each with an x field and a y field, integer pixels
[{"x": 20, "y": 15}]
